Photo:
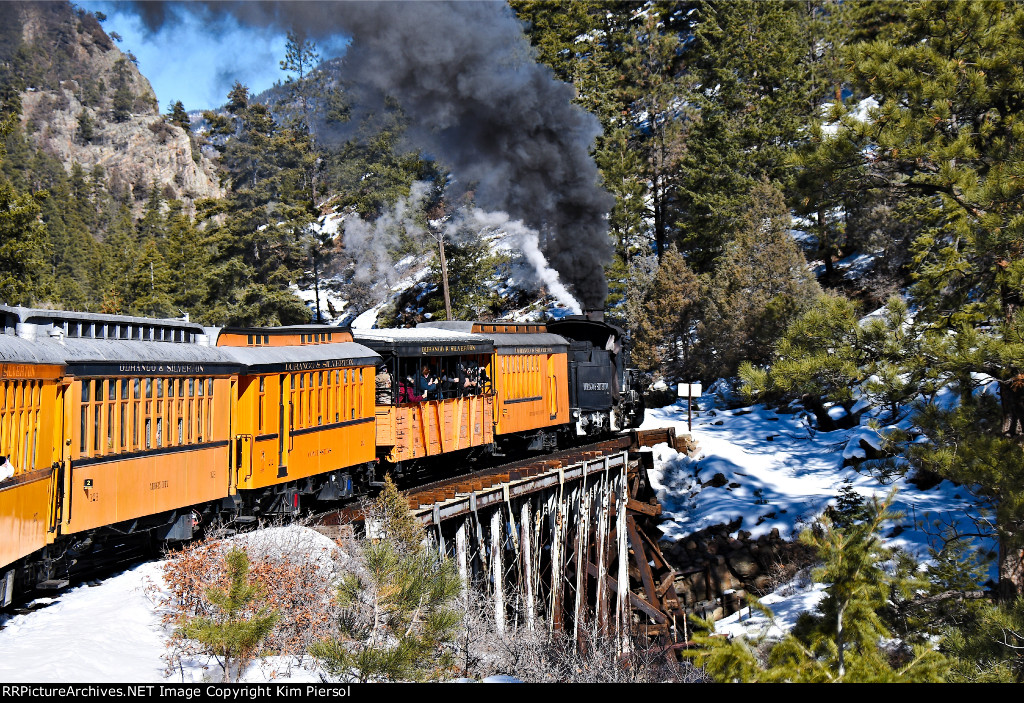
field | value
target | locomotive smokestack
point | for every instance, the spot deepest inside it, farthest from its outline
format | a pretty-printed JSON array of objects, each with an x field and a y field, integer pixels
[{"x": 594, "y": 315}]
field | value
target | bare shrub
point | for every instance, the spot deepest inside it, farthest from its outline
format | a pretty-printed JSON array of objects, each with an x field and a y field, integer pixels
[
  {"x": 537, "y": 656},
  {"x": 298, "y": 568},
  {"x": 162, "y": 130}
]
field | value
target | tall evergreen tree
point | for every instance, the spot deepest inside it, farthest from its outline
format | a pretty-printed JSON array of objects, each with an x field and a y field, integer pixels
[
  {"x": 178, "y": 116},
  {"x": 664, "y": 335},
  {"x": 752, "y": 90},
  {"x": 21, "y": 234},
  {"x": 124, "y": 99},
  {"x": 761, "y": 284},
  {"x": 948, "y": 132},
  {"x": 257, "y": 249}
]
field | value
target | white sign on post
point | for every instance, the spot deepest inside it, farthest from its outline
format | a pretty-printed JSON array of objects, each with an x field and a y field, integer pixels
[{"x": 690, "y": 390}]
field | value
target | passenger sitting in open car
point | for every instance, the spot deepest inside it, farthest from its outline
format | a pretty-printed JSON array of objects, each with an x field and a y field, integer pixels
[
  {"x": 6, "y": 468},
  {"x": 407, "y": 392},
  {"x": 427, "y": 384},
  {"x": 467, "y": 380}
]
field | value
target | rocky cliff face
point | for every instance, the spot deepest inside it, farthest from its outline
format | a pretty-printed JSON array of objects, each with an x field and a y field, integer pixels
[{"x": 85, "y": 101}]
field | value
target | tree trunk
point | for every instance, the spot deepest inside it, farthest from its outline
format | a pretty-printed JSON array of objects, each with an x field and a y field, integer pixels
[
  {"x": 444, "y": 280},
  {"x": 659, "y": 216},
  {"x": 839, "y": 641},
  {"x": 1011, "y": 395},
  {"x": 316, "y": 289},
  {"x": 1011, "y": 569},
  {"x": 825, "y": 246}
]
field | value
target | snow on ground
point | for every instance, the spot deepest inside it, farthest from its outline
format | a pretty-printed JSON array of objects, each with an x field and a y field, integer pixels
[
  {"x": 328, "y": 301},
  {"x": 783, "y": 467},
  {"x": 779, "y": 473},
  {"x": 111, "y": 631},
  {"x": 103, "y": 634}
]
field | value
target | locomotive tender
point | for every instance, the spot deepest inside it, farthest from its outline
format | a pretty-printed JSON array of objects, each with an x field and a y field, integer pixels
[{"x": 120, "y": 425}]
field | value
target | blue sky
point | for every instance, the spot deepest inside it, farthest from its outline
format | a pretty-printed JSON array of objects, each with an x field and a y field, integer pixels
[{"x": 196, "y": 63}]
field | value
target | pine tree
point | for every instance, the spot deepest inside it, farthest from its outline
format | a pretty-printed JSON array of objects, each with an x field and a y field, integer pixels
[
  {"x": 257, "y": 247},
  {"x": 123, "y": 100},
  {"x": 988, "y": 647},
  {"x": 240, "y": 623},
  {"x": 399, "y": 611},
  {"x": 653, "y": 61},
  {"x": 186, "y": 258},
  {"x": 301, "y": 58},
  {"x": 471, "y": 266},
  {"x": 947, "y": 132},
  {"x": 665, "y": 328},
  {"x": 843, "y": 642},
  {"x": 177, "y": 115},
  {"x": 819, "y": 358},
  {"x": 760, "y": 284},
  {"x": 85, "y": 127},
  {"x": 752, "y": 91},
  {"x": 21, "y": 234}
]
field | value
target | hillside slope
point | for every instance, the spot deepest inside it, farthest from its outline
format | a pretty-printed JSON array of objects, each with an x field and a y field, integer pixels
[{"x": 84, "y": 101}]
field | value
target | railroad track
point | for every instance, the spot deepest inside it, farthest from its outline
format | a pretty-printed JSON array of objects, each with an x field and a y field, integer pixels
[{"x": 447, "y": 488}]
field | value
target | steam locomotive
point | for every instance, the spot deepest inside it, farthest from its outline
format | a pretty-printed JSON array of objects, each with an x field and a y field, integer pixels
[{"x": 118, "y": 427}]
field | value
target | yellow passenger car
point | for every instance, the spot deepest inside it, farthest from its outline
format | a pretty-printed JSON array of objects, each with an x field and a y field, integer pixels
[
  {"x": 305, "y": 411},
  {"x": 146, "y": 413},
  {"x": 29, "y": 390}
]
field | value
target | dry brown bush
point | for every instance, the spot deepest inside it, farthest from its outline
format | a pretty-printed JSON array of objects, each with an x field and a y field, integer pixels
[
  {"x": 297, "y": 568},
  {"x": 538, "y": 656}
]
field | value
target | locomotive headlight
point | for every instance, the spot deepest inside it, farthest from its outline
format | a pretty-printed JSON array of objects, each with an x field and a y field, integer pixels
[{"x": 575, "y": 414}]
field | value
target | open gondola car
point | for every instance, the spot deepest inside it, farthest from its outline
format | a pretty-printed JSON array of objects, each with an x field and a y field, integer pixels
[
  {"x": 454, "y": 416},
  {"x": 530, "y": 375}
]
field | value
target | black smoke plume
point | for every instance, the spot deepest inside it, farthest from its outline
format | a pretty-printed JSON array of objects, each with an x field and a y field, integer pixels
[{"x": 465, "y": 74}]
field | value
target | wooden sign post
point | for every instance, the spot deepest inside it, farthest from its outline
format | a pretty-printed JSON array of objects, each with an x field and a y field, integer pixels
[{"x": 689, "y": 391}]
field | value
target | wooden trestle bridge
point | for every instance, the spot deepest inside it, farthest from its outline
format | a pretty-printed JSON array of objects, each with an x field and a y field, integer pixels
[{"x": 566, "y": 542}]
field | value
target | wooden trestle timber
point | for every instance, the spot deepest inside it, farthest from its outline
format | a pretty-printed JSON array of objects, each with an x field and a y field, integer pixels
[{"x": 551, "y": 545}]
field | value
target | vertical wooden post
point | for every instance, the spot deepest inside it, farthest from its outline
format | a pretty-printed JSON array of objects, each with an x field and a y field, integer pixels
[
  {"x": 601, "y": 593},
  {"x": 622, "y": 612},
  {"x": 497, "y": 571},
  {"x": 582, "y": 550},
  {"x": 461, "y": 556},
  {"x": 481, "y": 547},
  {"x": 557, "y": 559},
  {"x": 540, "y": 519},
  {"x": 513, "y": 535},
  {"x": 527, "y": 564}
]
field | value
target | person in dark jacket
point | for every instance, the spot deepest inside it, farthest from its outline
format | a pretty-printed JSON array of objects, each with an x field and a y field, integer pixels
[{"x": 426, "y": 384}]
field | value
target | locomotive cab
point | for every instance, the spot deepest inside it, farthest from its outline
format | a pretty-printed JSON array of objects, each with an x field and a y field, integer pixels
[{"x": 600, "y": 383}]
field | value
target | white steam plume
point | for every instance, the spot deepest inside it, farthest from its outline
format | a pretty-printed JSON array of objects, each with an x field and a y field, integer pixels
[
  {"x": 520, "y": 236},
  {"x": 370, "y": 243}
]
